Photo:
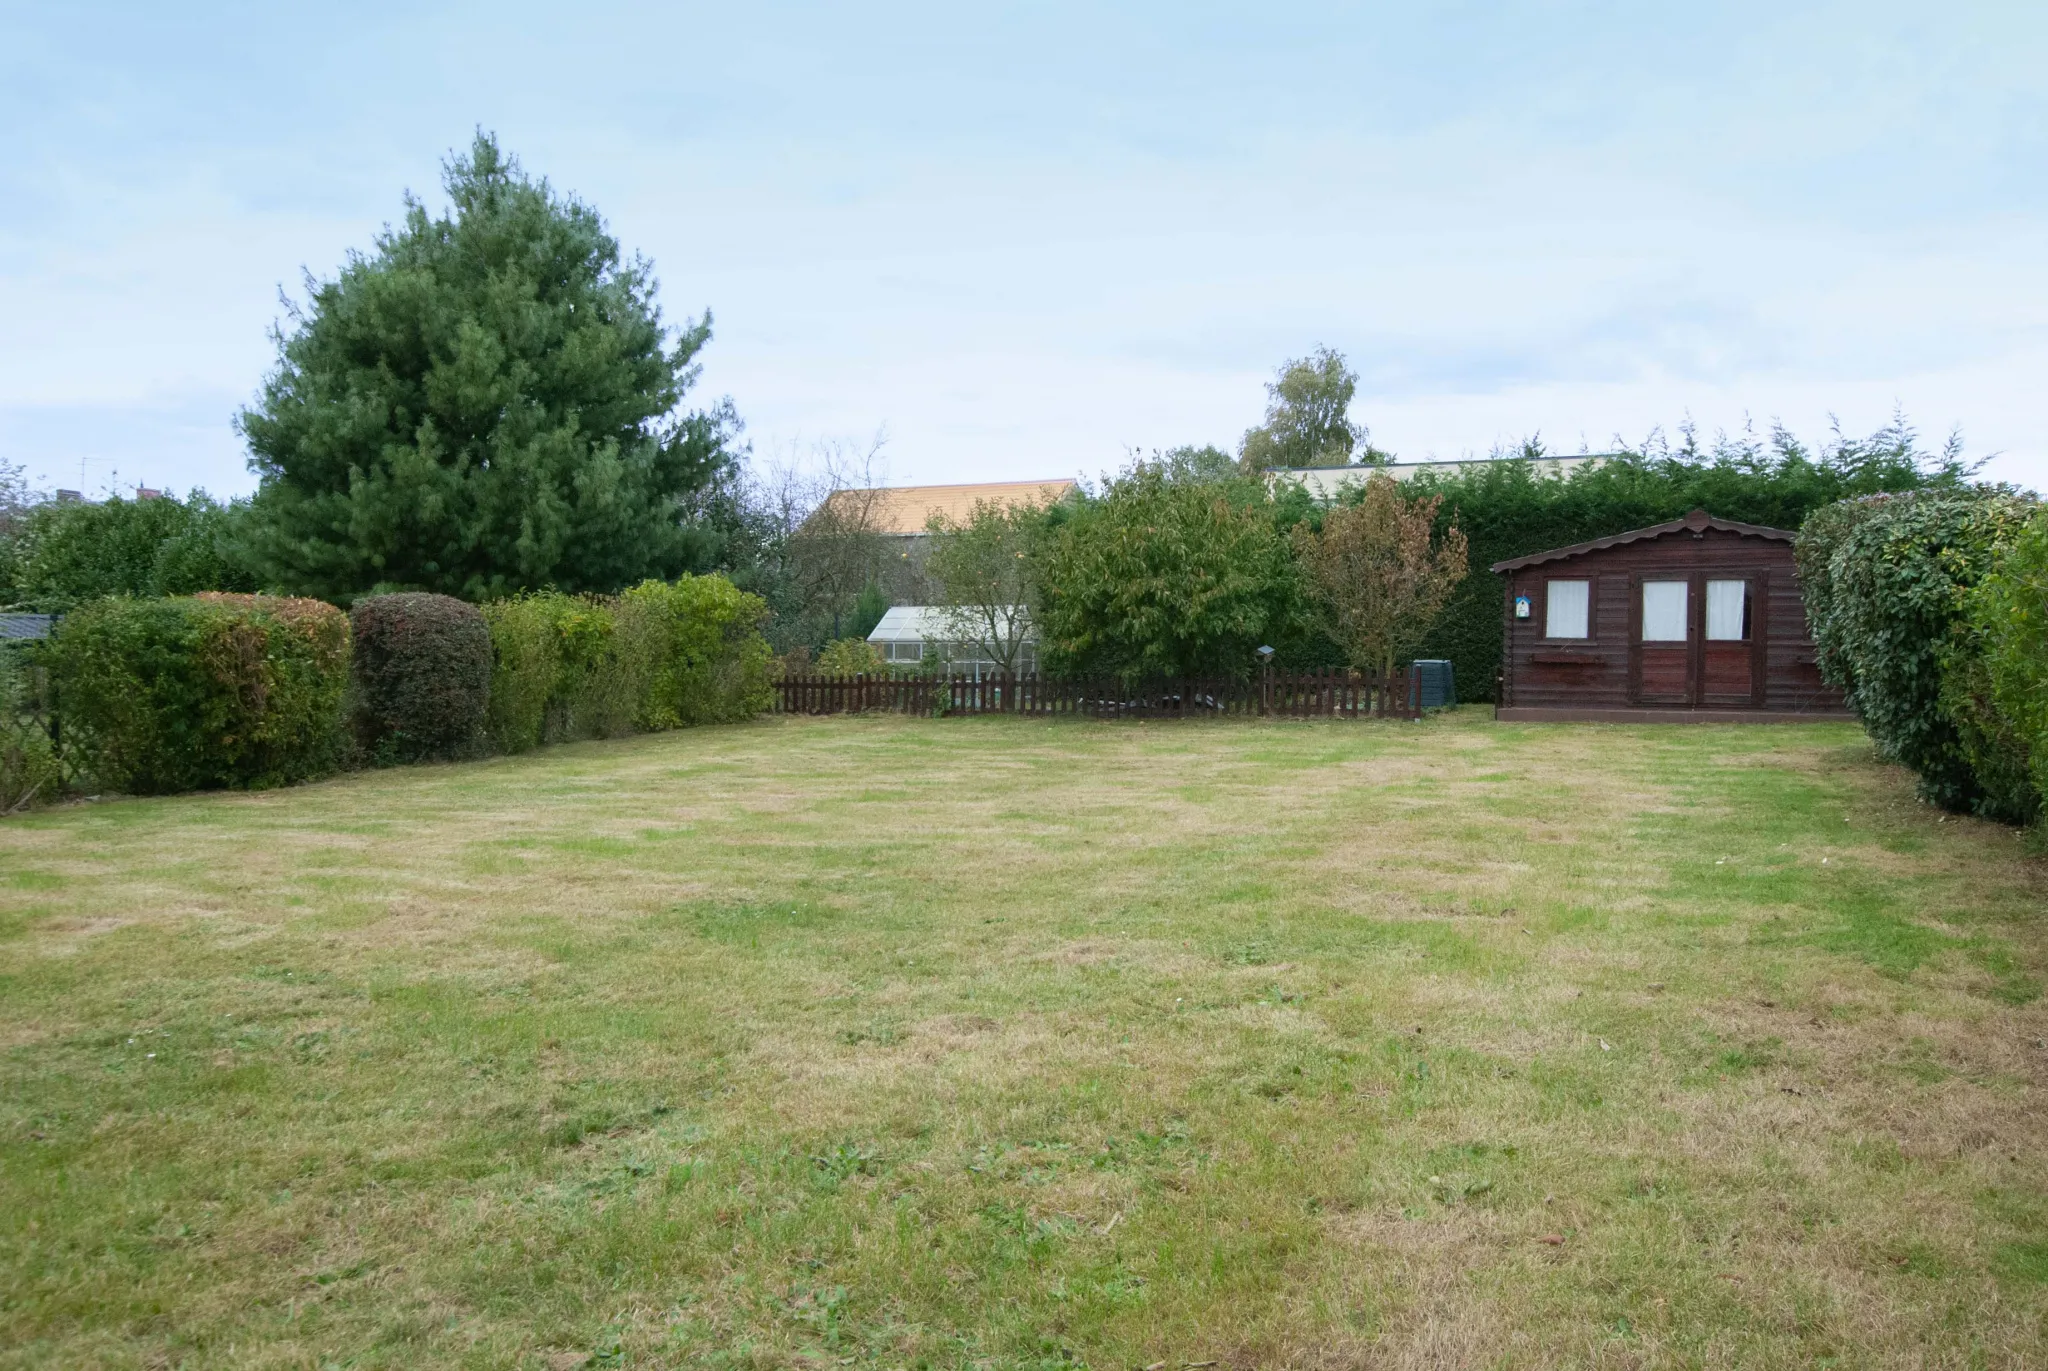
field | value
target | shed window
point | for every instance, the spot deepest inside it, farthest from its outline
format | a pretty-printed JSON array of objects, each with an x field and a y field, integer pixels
[
  {"x": 1565, "y": 606},
  {"x": 903, "y": 652},
  {"x": 1728, "y": 611},
  {"x": 1664, "y": 606}
]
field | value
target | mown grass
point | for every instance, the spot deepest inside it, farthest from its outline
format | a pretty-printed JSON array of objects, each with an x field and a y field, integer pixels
[{"x": 1001, "y": 1043}]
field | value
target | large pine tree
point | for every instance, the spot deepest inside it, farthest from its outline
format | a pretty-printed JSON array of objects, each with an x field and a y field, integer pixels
[{"x": 486, "y": 402}]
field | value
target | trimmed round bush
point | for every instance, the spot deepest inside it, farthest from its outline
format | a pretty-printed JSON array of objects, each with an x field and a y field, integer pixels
[
  {"x": 160, "y": 696},
  {"x": 422, "y": 676}
]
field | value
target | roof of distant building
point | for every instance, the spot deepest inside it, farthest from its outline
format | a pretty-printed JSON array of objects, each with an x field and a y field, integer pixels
[
  {"x": 1325, "y": 482},
  {"x": 925, "y": 623},
  {"x": 905, "y": 509}
]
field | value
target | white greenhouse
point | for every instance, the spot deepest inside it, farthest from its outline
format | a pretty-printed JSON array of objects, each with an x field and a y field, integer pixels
[{"x": 912, "y": 635}]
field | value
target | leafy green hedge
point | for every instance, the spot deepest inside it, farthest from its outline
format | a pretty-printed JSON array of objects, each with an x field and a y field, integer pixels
[
  {"x": 557, "y": 672},
  {"x": 193, "y": 693},
  {"x": 660, "y": 656},
  {"x": 707, "y": 660},
  {"x": 1889, "y": 584},
  {"x": 422, "y": 676},
  {"x": 2009, "y": 618},
  {"x": 166, "y": 695}
]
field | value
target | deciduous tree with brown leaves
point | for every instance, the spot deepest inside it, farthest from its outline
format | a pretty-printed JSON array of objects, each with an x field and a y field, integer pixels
[{"x": 1376, "y": 574}]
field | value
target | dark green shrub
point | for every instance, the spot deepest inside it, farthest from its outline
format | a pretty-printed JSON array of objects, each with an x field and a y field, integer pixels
[
  {"x": 421, "y": 668},
  {"x": 705, "y": 660},
  {"x": 1892, "y": 612},
  {"x": 868, "y": 608},
  {"x": 168, "y": 695}
]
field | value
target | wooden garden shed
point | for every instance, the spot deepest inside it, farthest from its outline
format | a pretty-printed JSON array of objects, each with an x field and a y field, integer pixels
[{"x": 1695, "y": 621}]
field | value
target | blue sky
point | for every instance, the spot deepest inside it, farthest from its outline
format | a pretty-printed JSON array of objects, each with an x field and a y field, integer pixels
[{"x": 1023, "y": 240}]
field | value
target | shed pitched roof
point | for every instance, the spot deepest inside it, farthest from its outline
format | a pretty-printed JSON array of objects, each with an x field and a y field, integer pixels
[
  {"x": 1699, "y": 521},
  {"x": 904, "y": 509}
]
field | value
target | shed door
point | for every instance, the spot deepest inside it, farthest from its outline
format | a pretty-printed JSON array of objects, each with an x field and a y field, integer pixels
[
  {"x": 1696, "y": 639},
  {"x": 1731, "y": 653},
  {"x": 1661, "y": 653}
]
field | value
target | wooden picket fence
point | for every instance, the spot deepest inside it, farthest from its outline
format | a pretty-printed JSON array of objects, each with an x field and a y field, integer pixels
[{"x": 1273, "y": 694}]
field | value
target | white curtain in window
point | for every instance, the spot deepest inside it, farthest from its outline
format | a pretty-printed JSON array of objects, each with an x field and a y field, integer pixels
[
  {"x": 1664, "y": 604},
  {"x": 1725, "y": 603},
  {"x": 1565, "y": 605}
]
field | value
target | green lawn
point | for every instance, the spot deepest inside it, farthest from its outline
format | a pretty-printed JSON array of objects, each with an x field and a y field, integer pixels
[{"x": 1007, "y": 1043}]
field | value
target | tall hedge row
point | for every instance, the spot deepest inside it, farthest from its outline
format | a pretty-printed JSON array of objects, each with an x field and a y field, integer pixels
[
  {"x": 1912, "y": 598},
  {"x": 562, "y": 670},
  {"x": 709, "y": 660},
  {"x": 214, "y": 690}
]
